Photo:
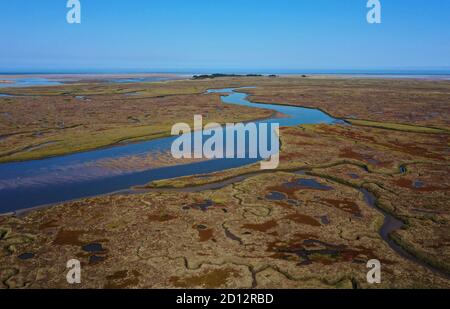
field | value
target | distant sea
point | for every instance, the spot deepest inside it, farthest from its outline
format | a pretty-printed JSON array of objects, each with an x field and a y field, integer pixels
[{"x": 441, "y": 74}]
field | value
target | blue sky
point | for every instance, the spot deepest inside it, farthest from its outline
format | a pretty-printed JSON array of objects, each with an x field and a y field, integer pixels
[{"x": 223, "y": 35}]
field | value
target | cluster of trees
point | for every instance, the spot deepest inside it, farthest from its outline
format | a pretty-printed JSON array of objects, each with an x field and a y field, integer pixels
[{"x": 217, "y": 75}]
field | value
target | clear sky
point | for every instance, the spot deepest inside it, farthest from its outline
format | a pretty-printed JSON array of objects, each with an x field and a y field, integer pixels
[{"x": 223, "y": 35}]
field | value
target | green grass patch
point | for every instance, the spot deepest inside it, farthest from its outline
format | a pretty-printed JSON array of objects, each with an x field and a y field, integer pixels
[
  {"x": 397, "y": 127},
  {"x": 77, "y": 142}
]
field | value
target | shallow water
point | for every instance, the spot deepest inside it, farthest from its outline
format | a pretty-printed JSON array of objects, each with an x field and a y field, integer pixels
[
  {"x": 26, "y": 256},
  {"x": 34, "y": 183},
  {"x": 276, "y": 196},
  {"x": 28, "y": 82},
  {"x": 390, "y": 225},
  {"x": 42, "y": 81},
  {"x": 138, "y": 80},
  {"x": 308, "y": 183},
  {"x": 93, "y": 248}
]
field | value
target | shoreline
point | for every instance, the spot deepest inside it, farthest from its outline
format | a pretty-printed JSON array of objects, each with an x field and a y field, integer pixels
[
  {"x": 87, "y": 75},
  {"x": 395, "y": 76},
  {"x": 430, "y": 76}
]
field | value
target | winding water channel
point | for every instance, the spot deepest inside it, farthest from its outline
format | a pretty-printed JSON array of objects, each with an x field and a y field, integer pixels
[
  {"x": 29, "y": 184},
  {"x": 390, "y": 223}
]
